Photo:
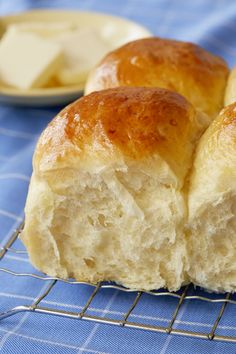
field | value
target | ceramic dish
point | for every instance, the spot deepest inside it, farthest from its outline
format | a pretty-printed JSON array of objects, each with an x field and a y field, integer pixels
[{"x": 115, "y": 30}]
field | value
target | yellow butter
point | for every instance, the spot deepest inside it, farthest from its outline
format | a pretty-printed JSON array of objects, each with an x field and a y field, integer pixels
[
  {"x": 42, "y": 29},
  {"x": 83, "y": 49},
  {"x": 27, "y": 60}
]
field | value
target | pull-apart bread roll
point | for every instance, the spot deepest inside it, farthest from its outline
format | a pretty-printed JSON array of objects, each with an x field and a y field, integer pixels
[
  {"x": 154, "y": 62},
  {"x": 106, "y": 199},
  {"x": 230, "y": 92},
  {"x": 212, "y": 206}
]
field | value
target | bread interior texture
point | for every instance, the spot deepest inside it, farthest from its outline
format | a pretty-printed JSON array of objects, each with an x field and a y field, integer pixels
[
  {"x": 212, "y": 245},
  {"x": 122, "y": 224}
]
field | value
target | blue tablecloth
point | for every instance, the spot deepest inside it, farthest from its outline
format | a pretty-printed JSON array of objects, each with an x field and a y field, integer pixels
[{"x": 211, "y": 23}]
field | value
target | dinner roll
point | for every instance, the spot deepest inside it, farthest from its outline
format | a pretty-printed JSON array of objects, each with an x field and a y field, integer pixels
[
  {"x": 212, "y": 206},
  {"x": 179, "y": 66},
  {"x": 107, "y": 195},
  {"x": 230, "y": 92}
]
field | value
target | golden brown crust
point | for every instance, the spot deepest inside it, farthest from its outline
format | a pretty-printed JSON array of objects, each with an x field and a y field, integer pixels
[
  {"x": 225, "y": 127},
  {"x": 135, "y": 122},
  {"x": 222, "y": 130},
  {"x": 229, "y": 116},
  {"x": 179, "y": 66},
  {"x": 215, "y": 155},
  {"x": 230, "y": 91}
]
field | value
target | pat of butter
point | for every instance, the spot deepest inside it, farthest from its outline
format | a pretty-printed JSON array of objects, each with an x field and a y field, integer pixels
[
  {"x": 82, "y": 48},
  {"x": 28, "y": 61},
  {"x": 42, "y": 29}
]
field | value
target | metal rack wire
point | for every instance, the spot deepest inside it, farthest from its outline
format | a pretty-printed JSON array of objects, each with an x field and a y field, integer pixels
[{"x": 36, "y": 306}]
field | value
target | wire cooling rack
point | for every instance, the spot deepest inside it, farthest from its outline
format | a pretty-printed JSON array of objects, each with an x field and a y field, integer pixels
[{"x": 181, "y": 298}]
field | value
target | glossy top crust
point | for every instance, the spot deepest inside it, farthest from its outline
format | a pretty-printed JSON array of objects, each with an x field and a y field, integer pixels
[
  {"x": 179, "y": 66},
  {"x": 217, "y": 147},
  {"x": 126, "y": 121},
  {"x": 228, "y": 115},
  {"x": 223, "y": 129}
]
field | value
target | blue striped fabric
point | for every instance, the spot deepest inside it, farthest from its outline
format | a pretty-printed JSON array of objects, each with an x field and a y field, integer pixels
[{"x": 211, "y": 23}]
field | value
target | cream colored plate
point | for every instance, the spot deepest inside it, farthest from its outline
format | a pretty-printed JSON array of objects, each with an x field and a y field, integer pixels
[{"x": 118, "y": 29}]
